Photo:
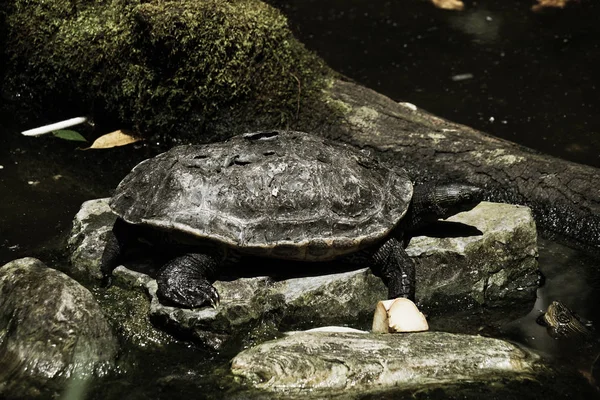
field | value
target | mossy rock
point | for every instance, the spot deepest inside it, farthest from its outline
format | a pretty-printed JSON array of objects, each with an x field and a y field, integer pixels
[{"x": 163, "y": 68}]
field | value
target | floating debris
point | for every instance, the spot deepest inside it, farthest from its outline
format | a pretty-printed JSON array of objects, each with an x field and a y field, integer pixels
[
  {"x": 542, "y": 4},
  {"x": 42, "y": 130},
  {"x": 449, "y": 4},
  {"x": 113, "y": 139},
  {"x": 462, "y": 77}
]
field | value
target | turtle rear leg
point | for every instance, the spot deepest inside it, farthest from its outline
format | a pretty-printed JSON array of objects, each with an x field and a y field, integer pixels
[
  {"x": 184, "y": 280},
  {"x": 396, "y": 269},
  {"x": 118, "y": 239}
]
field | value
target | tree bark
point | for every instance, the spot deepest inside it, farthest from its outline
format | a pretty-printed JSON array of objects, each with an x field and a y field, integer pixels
[{"x": 564, "y": 196}]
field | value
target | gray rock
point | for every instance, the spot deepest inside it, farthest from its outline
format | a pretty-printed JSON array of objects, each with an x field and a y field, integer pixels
[
  {"x": 495, "y": 269},
  {"x": 314, "y": 363},
  {"x": 345, "y": 298},
  {"x": 52, "y": 331},
  {"x": 88, "y": 237}
]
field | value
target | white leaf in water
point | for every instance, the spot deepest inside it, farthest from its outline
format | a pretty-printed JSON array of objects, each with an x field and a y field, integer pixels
[{"x": 42, "y": 130}]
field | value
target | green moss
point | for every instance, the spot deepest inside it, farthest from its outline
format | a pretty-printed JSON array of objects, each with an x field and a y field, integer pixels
[
  {"x": 127, "y": 311},
  {"x": 165, "y": 67}
]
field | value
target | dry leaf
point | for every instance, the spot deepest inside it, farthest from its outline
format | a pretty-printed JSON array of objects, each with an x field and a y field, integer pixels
[
  {"x": 449, "y": 4},
  {"x": 549, "y": 4},
  {"x": 113, "y": 139}
]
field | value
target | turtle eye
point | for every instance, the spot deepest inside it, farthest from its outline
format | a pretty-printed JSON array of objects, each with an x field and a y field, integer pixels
[{"x": 563, "y": 318}]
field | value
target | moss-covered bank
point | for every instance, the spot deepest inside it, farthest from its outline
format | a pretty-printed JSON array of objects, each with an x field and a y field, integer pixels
[{"x": 164, "y": 68}]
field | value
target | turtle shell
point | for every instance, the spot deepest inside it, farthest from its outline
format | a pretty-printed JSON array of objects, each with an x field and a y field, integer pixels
[{"x": 281, "y": 194}]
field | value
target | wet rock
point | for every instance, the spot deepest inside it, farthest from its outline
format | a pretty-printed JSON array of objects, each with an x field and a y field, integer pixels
[
  {"x": 52, "y": 332},
  {"x": 128, "y": 311},
  {"x": 494, "y": 268},
  {"x": 497, "y": 268},
  {"x": 313, "y": 363},
  {"x": 88, "y": 236},
  {"x": 249, "y": 303}
]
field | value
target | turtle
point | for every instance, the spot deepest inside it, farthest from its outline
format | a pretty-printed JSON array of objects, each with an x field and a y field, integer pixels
[
  {"x": 286, "y": 195},
  {"x": 576, "y": 340},
  {"x": 561, "y": 322}
]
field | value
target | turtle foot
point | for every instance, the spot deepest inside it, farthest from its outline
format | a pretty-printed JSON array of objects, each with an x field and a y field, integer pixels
[
  {"x": 190, "y": 295},
  {"x": 183, "y": 282}
]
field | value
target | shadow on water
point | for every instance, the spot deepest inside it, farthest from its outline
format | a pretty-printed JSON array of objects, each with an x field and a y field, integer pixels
[{"x": 572, "y": 278}]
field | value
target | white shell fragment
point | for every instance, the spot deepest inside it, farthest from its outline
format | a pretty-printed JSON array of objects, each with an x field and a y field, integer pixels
[
  {"x": 329, "y": 329},
  {"x": 410, "y": 106},
  {"x": 398, "y": 315}
]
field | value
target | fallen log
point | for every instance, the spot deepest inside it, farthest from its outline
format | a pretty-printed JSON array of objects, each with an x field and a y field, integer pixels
[{"x": 564, "y": 196}]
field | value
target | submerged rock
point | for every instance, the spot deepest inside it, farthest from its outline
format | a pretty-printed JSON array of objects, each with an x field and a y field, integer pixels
[
  {"x": 494, "y": 268},
  {"x": 52, "y": 331},
  {"x": 314, "y": 363}
]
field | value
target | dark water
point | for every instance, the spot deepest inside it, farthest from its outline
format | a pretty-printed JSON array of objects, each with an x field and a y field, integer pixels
[
  {"x": 44, "y": 180},
  {"x": 532, "y": 78},
  {"x": 535, "y": 75}
]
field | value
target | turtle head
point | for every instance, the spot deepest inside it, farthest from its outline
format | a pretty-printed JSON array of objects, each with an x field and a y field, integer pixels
[
  {"x": 562, "y": 322},
  {"x": 433, "y": 202}
]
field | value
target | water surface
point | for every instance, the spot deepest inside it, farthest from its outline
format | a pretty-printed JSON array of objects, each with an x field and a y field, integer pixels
[{"x": 532, "y": 78}]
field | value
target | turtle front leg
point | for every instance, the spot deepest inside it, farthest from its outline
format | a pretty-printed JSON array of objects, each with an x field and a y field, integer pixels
[
  {"x": 184, "y": 281},
  {"x": 396, "y": 269}
]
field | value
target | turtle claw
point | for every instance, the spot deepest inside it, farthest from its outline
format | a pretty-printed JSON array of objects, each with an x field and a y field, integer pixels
[
  {"x": 190, "y": 294},
  {"x": 212, "y": 297},
  {"x": 216, "y": 301},
  {"x": 106, "y": 282}
]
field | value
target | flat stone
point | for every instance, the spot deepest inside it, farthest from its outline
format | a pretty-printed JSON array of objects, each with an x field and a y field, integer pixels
[
  {"x": 345, "y": 298},
  {"x": 314, "y": 363}
]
